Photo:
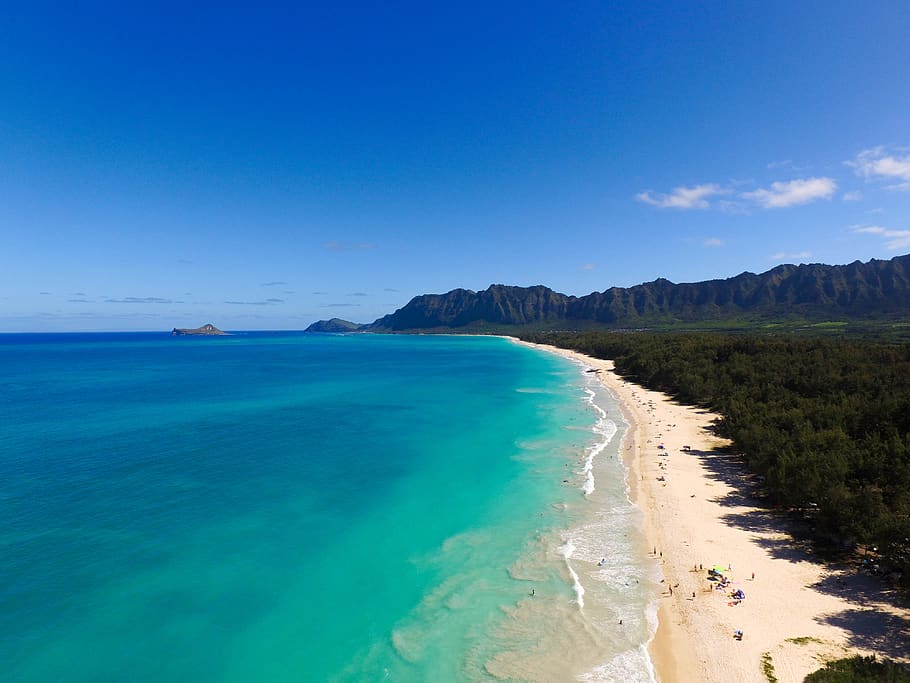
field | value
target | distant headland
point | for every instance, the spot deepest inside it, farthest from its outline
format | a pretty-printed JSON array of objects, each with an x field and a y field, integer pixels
[
  {"x": 334, "y": 325},
  {"x": 205, "y": 330}
]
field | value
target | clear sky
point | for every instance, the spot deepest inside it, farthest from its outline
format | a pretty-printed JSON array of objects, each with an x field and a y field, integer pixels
[{"x": 262, "y": 166}]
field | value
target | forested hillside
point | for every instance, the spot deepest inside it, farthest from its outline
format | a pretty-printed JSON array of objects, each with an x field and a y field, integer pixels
[
  {"x": 875, "y": 290},
  {"x": 825, "y": 422}
]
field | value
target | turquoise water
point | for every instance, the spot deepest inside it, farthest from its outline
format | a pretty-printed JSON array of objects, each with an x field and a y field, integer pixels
[{"x": 285, "y": 507}]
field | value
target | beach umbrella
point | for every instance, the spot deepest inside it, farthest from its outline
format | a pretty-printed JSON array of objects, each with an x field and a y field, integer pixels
[{"x": 719, "y": 569}]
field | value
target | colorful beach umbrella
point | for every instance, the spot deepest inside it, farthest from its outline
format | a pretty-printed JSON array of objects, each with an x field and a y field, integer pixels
[{"x": 718, "y": 569}]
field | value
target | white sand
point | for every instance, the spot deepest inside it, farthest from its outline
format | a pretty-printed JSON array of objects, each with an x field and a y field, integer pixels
[{"x": 700, "y": 514}]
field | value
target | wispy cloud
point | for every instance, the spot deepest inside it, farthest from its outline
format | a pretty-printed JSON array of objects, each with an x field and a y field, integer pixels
[
  {"x": 788, "y": 164},
  {"x": 276, "y": 283},
  {"x": 895, "y": 239},
  {"x": 588, "y": 266},
  {"x": 389, "y": 289},
  {"x": 695, "y": 197},
  {"x": 340, "y": 305},
  {"x": 784, "y": 163},
  {"x": 880, "y": 164},
  {"x": 853, "y": 196},
  {"x": 320, "y": 293},
  {"x": 142, "y": 300},
  {"x": 713, "y": 242},
  {"x": 265, "y": 302},
  {"x": 733, "y": 208},
  {"x": 335, "y": 245},
  {"x": 789, "y": 256},
  {"x": 358, "y": 294},
  {"x": 783, "y": 194},
  {"x": 44, "y": 293}
]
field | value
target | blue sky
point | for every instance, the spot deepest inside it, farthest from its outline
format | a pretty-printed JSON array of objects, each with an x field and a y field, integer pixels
[{"x": 266, "y": 166}]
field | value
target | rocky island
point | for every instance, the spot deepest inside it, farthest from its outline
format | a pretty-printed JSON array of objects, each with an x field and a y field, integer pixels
[{"x": 205, "y": 330}]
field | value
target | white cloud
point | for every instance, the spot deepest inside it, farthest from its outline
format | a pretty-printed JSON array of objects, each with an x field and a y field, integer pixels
[
  {"x": 878, "y": 164},
  {"x": 789, "y": 256},
  {"x": 792, "y": 192},
  {"x": 713, "y": 242},
  {"x": 682, "y": 197},
  {"x": 896, "y": 239},
  {"x": 588, "y": 266},
  {"x": 853, "y": 196}
]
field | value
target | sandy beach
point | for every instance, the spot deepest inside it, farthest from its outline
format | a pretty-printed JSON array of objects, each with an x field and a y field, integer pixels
[{"x": 797, "y": 613}]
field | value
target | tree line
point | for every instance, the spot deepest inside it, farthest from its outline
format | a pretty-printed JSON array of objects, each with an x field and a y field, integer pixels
[{"x": 825, "y": 422}]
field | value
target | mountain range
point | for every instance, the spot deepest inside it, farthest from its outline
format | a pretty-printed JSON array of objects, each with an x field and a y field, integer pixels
[{"x": 813, "y": 292}]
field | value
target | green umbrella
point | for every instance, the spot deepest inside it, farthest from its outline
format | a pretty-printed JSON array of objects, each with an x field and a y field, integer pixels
[{"x": 718, "y": 569}]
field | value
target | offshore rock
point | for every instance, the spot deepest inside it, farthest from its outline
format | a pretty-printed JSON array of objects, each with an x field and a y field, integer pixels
[{"x": 205, "y": 330}]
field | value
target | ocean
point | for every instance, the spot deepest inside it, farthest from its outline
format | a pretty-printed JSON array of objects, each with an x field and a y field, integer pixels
[{"x": 293, "y": 507}]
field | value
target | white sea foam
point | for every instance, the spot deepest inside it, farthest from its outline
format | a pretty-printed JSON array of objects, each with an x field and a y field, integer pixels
[
  {"x": 567, "y": 551},
  {"x": 615, "y": 577},
  {"x": 632, "y": 666},
  {"x": 606, "y": 429}
]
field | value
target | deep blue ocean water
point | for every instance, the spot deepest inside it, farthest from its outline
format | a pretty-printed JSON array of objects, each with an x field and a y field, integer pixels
[{"x": 288, "y": 507}]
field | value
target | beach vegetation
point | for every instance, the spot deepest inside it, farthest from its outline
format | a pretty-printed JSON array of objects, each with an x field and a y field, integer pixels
[
  {"x": 767, "y": 667},
  {"x": 860, "y": 670},
  {"x": 805, "y": 640}
]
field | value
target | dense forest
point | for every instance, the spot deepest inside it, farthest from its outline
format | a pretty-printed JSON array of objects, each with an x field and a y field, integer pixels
[{"x": 825, "y": 422}]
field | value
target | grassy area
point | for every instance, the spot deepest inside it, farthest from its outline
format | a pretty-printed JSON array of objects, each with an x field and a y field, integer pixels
[{"x": 805, "y": 640}]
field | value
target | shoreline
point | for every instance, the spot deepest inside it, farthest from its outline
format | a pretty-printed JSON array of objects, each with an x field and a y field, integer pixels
[{"x": 799, "y": 612}]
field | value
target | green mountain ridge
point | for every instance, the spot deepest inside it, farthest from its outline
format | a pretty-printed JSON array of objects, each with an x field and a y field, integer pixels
[{"x": 874, "y": 290}]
